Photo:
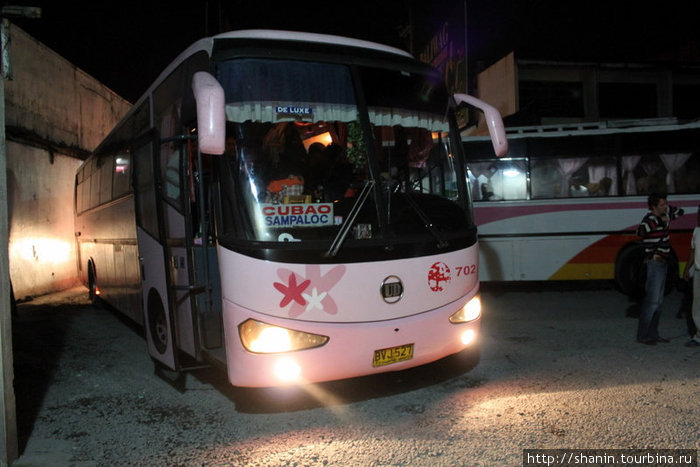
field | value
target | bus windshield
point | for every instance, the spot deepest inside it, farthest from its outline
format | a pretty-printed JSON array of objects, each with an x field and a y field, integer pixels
[{"x": 308, "y": 163}]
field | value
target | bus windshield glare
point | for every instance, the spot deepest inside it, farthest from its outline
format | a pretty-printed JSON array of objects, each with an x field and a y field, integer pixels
[{"x": 308, "y": 163}]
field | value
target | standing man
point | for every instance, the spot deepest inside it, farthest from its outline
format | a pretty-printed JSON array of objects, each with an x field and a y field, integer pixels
[
  {"x": 692, "y": 268},
  {"x": 654, "y": 230}
]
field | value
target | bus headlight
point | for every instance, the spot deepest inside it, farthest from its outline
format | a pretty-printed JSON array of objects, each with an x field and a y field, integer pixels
[
  {"x": 469, "y": 312},
  {"x": 260, "y": 337},
  {"x": 287, "y": 370}
]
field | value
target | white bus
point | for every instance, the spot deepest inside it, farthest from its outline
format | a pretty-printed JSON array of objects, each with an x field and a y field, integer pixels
[
  {"x": 566, "y": 201},
  {"x": 292, "y": 206}
]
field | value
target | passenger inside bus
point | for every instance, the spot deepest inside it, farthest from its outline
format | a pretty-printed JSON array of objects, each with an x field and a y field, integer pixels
[
  {"x": 419, "y": 147},
  {"x": 337, "y": 184},
  {"x": 577, "y": 188},
  {"x": 487, "y": 193},
  {"x": 600, "y": 188},
  {"x": 274, "y": 163},
  {"x": 317, "y": 170},
  {"x": 286, "y": 184}
]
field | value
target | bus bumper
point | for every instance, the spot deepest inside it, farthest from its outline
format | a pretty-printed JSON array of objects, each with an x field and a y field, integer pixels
[{"x": 352, "y": 350}]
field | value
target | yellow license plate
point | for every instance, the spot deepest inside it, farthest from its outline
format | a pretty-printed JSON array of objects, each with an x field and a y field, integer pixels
[{"x": 391, "y": 355}]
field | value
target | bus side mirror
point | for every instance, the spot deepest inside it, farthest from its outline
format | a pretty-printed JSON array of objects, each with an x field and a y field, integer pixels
[
  {"x": 494, "y": 122},
  {"x": 211, "y": 113}
]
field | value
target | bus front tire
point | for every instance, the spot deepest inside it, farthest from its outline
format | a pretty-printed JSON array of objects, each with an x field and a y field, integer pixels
[
  {"x": 92, "y": 284},
  {"x": 157, "y": 322}
]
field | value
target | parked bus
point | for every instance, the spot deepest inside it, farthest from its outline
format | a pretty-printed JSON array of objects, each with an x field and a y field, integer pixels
[
  {"x": 292, "y": 206},
  {"x": 566, "y": 201}
]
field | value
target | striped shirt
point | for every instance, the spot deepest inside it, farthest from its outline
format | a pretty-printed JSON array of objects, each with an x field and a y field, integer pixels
[{"x": 654, "y": 231}]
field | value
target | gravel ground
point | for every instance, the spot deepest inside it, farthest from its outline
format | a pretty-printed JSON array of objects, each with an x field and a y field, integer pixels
[{"x": 559, "y": 369}]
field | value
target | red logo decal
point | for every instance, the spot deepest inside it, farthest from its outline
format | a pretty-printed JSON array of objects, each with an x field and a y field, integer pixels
[{"x": 438, "y": 274}]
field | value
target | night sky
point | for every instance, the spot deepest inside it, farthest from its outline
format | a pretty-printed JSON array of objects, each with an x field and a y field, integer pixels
[{"x": 125, "y": 44}]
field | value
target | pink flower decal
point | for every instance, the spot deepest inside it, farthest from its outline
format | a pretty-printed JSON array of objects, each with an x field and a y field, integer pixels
[
  {"x": 315, "y": 293},
  {"x": 292, "y": 292}
]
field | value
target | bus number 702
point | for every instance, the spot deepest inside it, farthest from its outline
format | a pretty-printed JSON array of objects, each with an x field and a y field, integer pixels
[{"x": 466, "y": 270}]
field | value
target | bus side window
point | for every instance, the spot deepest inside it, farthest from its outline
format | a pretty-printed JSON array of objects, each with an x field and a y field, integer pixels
[
  {"x": 665, "y": 173},
  {"x": 544, "y": 179},
  {"x": 687, "y": 176},
  {"x": 572, "y": 177},
  {"x": 496, "y": 180},
  {"x": 122, "y": 175},
  {"x": 106, "y": 179},
  {"x": 94, "y": 194},
  {"x": 79, "y": 194}
]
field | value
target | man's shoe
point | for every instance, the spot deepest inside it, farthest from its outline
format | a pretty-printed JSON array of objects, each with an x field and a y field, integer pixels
[
  {"x": 692, "y": 343},
  {"x": 662, "y": 339},
  {"x": 648, "y": 342}
]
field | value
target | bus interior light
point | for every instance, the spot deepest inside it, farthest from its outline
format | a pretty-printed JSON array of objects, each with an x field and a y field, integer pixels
[
  {"x": 469, "y": 312},
  {"x": 259, "y": 337}
]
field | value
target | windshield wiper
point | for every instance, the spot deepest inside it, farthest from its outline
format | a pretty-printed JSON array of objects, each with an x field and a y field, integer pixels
[
  {"x": 347, "y": 225},
  {"x": 442, "y": 243}
]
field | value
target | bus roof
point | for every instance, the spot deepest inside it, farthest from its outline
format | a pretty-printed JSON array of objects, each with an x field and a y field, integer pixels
[
  {"x": 207, "y": 45},
  {"x": 309, "y": 37}
]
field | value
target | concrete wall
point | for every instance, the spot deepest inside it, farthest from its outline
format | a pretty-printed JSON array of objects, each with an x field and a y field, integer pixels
[
  {"x": 42, "y": 252},
  {"x": 55, "y": 115}
]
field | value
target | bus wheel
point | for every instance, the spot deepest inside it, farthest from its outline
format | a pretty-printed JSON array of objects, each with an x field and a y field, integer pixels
[
  {"x": 631, "y": 274},
  {"x": 92, "y": 283},
  {"x": 157, "y": 322}
]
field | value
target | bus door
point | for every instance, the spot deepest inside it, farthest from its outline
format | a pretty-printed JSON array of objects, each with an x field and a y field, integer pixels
[
  {"x": 205, "y": 288},
  {"x": 159, "y": 320}
]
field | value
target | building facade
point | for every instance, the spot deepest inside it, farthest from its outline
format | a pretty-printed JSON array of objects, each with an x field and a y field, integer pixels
[{"x": 55, "y": 114}]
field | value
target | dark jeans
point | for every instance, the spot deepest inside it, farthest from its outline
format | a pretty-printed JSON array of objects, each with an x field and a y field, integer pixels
[
  {"x": 686, "y": 308},
  {"x": 650, "y": 312}
]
